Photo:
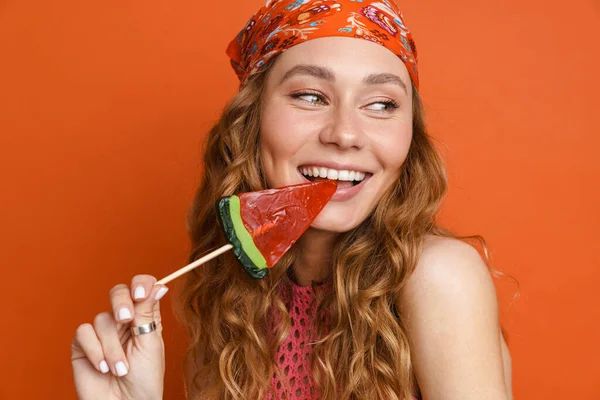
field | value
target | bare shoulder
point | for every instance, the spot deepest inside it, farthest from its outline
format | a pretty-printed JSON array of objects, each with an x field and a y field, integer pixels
[
  {"x": 448, "y": 267},
  {"x": 450, "y": 308}
]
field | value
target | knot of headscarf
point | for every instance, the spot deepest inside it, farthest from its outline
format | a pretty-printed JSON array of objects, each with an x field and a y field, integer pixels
[{"x": 279, "y": 25}]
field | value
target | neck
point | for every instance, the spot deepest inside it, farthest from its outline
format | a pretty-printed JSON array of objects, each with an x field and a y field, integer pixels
[{"x": 314, "y": 256}]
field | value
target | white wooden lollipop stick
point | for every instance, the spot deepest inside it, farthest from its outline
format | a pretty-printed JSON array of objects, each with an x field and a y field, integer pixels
[{"x": 193, "y": 265}]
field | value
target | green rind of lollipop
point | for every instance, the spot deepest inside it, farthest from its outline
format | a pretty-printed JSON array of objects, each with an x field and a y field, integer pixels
[{"x": 244, "y": 248}]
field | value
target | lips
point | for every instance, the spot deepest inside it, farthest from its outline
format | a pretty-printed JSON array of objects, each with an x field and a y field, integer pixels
[
  {"x": 346, "y": 174},
  {"x": 345, "y": 189}
]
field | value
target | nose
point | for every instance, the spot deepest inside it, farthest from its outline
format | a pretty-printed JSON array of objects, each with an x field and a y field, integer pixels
[{"x": 343, "y": 130}]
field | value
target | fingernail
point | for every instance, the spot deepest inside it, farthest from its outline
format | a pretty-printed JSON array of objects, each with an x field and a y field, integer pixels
[
  {"x": 124, "y": 313},
  {"x": 121, "y": 368},
  {"x": 161, "y": 292},
  {"x": 104, "y": 367},
  {"x": 139, "y": 292}
]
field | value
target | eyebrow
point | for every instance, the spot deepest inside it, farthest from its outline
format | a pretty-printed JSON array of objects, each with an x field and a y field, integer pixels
[
  {"x": 327, "y": 74},
  {"x": 380, "y": 79},
  {"x": 311, "y": 70}
]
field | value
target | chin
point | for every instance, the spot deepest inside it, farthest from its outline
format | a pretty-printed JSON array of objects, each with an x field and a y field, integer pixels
[{"x": 332, "y": 221}]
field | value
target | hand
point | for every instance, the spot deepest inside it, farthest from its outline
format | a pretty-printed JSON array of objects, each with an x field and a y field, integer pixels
[{"x": 108, "y": 361}]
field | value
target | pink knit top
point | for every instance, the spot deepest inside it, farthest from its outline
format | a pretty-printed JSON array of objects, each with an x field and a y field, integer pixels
[{"x": 294, "y": 355}]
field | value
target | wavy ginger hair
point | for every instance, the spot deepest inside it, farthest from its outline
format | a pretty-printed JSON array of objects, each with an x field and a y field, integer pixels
[{"x": 365, "y": 353}]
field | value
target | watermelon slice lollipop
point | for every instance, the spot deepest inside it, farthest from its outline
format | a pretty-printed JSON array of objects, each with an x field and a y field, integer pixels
[{"x": 261, "y": 226}]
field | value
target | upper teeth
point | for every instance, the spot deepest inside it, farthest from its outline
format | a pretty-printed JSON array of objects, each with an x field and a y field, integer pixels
[{"x": 341, "y": 175}]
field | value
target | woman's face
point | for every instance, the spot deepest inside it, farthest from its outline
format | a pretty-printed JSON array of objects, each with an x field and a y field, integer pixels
[{"x": 341, "y": 108}]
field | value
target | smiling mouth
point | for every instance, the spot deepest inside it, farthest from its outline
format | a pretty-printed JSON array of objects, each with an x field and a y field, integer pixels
[{"x": 313, "y": 173}]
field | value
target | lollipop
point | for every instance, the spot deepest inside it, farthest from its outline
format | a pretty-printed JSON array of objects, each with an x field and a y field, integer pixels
[{"x": 261, "y": 226}]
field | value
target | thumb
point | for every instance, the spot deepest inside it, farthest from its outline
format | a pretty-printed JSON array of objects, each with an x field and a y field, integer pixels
[{"x": 147, "y": 310}]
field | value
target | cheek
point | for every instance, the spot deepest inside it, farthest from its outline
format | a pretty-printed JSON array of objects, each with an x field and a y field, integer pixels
[
  {"x": 392, "y": 148},
  {"x": 284, "y": 133},
  {"x": 281, "y": 143}
]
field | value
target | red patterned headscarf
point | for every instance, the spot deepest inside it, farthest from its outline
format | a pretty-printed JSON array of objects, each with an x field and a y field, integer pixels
[{"x": 281, "y": 24}]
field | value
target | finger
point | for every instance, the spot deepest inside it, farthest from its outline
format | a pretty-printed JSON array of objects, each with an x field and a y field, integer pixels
[
  {"x": 147, "y": 311},
  {"x": 121, "y": 303},
  {"x": 141, "y": 286},
  {"x": 87, "y": 345},
  {"x": 106, "y": 330}
]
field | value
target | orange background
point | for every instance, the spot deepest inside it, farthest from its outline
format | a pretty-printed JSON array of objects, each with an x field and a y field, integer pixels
[{"x": 103, "y": 106}]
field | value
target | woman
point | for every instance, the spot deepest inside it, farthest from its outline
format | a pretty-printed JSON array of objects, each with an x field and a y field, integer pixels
[{"x": 375, "y": 301}]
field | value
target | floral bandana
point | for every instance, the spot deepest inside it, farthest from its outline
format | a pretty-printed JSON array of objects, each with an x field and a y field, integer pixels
[{"x": 282, "y": 24}]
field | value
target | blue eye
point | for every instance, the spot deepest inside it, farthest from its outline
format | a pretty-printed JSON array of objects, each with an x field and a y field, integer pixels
[
  {"x": 384, "y": 106},
  {"x": 309, "y": 97},
  {"x": 387, "y": 106}
]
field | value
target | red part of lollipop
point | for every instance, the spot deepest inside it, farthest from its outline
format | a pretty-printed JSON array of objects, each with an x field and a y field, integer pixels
[{"x": 276, "y": 218}]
